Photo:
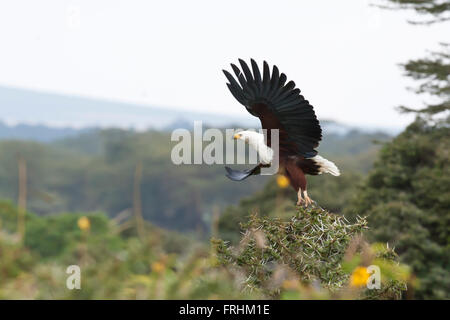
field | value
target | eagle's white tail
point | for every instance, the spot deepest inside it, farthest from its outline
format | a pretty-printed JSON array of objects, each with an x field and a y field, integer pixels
[{"x": 326, "y": 166}]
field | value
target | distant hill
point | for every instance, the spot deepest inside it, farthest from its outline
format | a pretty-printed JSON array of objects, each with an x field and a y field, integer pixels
[
  {"x": 57, "y": 110},
  {"x": 46, "y": 134},
  {"x": 39, "y": 133},
  {"x": 47, "y": 116}
]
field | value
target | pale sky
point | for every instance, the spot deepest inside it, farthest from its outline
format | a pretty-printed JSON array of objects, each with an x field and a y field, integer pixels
[{"x": 343, "y": 55}]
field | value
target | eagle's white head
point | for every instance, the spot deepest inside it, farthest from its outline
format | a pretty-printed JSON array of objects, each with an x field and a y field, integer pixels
[
  {"x": 251, "y": 137},
  {"x": 256, "y": 140}
]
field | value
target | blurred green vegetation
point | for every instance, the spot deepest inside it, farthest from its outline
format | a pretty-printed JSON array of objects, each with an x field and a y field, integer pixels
[
  {"x": 82, "y": 177},
  {"x": 314, "y": 254},
  {"x": 407, "y": 199},
  {"x": 117, "y": 263}
]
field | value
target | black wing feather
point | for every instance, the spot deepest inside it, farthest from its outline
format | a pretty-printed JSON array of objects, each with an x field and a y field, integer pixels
[
  {"x": 266, "y": 77},
  {"x": 293, "y": 112}
]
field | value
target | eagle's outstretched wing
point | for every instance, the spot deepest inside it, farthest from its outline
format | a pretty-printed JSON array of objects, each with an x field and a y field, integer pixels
[
  {"x": 237, "y": 175},
  {"x": 278, "y": 105}
]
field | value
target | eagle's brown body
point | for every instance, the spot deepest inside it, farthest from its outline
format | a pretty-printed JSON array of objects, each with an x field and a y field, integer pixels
[{"x": 294, "y": 166}]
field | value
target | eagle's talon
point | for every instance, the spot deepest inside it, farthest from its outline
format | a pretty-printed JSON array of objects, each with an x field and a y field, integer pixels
[
  {"x": 308, "y": 201},
  {"x": 304, "y": 199}
]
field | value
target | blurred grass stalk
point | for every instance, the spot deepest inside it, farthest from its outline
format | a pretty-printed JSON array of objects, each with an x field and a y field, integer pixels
[
  {"x": 137, "y": 205},
  {"x": 215, "y": 222},
  {"x": 22, "y": 198}
]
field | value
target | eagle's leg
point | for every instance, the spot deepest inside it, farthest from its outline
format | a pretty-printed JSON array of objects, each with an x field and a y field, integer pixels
[
  {"x": 298, "y": 181},
  {"x": 308, "y": 200},
  {"x": 303, "y": 198},
  {"x": 300, "y": 198}
]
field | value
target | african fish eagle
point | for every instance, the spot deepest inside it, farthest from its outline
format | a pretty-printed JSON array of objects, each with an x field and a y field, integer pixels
[{"x": 279, "y": 105}]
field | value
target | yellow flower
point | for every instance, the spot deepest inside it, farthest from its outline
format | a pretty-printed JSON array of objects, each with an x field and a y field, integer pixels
[
  {"x": 282, "y": 181},
  {"x": 158, "y": 267},
  {"x": 291, "y": 284},
  {"x": 359, "y": 277},
  {"x": 84, "y": 223}
]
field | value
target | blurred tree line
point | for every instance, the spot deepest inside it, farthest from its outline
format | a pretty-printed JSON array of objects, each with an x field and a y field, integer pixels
[{"x": 96, "y": 172}]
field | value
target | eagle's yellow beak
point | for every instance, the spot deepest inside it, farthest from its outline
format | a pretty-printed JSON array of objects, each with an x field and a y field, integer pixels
[{"x": 237, "y": 136}]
